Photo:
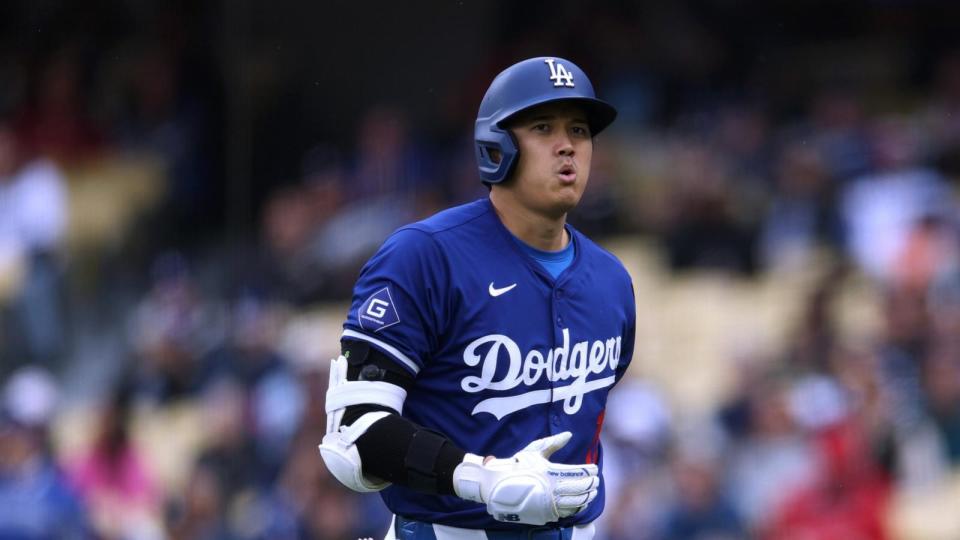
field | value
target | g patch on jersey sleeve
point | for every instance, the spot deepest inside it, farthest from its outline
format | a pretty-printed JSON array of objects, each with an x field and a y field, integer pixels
[{"x": 378, "y": 311}]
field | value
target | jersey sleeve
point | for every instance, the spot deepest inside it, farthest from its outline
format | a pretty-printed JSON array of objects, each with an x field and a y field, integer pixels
[
  {"x": 399, "y": 299},
  {"x": 630, "y": 332}
]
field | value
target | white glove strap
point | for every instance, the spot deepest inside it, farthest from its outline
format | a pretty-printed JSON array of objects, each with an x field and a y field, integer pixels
[
  {"x": 467, "y": 478},
  {"x": 342, "y": 458},
  {"x": 349, "y": 393},
  {"x": 342, "y": 393}
]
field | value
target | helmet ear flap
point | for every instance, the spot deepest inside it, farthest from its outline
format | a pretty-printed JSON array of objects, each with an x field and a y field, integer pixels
[
  {"x": 489, "y": 155},
  {"x": 497, "y": 140}
]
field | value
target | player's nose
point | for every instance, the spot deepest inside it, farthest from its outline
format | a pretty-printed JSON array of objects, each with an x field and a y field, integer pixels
[{"x": 565, "y": 146}]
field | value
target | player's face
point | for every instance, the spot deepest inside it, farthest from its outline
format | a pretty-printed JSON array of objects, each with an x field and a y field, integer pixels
[{"x": 554, "y": 164}]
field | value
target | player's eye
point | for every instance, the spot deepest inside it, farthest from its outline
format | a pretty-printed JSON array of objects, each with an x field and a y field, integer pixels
[
  {"x": 541, "y": 126},
  {"x": 581, "y": 131}
]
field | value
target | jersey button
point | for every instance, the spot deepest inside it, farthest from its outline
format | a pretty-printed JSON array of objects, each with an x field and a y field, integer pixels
[
  {"x": 555, "y": 419},
  {"x": 559, "y": 320},
  {"x": 559, "y": 293}
]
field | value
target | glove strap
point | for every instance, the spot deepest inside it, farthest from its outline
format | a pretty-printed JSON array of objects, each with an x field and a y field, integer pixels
[{"x": 467, "y": 478}]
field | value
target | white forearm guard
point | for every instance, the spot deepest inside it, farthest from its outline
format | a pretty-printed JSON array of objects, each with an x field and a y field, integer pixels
[
  {"x": 527, "y": 488},
  {"x": 338, "y": 449}
]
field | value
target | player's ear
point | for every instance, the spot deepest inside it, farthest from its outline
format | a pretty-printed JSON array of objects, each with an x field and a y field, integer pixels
[{"x": 495, "y": 155}]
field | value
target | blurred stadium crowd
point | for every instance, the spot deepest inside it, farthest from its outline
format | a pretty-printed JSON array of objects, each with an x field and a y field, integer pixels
[{"x": 782, "y": 183}]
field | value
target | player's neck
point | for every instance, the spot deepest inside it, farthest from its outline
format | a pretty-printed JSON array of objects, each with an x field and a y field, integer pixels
[{"x": 542, "y": 232}]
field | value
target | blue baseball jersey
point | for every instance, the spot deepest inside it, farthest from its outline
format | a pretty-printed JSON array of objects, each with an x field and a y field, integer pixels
[{"x": 502, "y": 352}]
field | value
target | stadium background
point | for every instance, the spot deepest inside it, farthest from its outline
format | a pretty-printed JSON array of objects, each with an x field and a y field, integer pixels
[{"x": 188, "y": 190}]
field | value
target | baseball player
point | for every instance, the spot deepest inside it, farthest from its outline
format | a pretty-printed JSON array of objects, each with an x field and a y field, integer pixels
[{"x": 482, "y": 342}]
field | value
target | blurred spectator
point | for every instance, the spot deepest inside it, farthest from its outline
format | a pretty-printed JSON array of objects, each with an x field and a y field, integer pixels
[
  {"x": 356, "y": 231},
  {"x": 941, "y": 378},
  {"x": 309, "y": 503},
  {"x": 36, "y": 500},
  {"x": 930, "y": 252},
  {"x": 802, "y": 213},
  {"x": 837, "y": 125},
  {"x": 743, "y": 137},
  {"x": 901, "y": 352},
  {"x": 390, "y": 183},
  {"x": 774, "y": 460},
  {"x": 201, "y": 513},
  {"x": 699, "y": 507},
  {"x": 867, "y": 403},
  {"x": 55, "y": 121},
  {"x": 285, "y": 267},
  {"x": 303, "y": 500},
  {"x": 703, "y": 229},
  {"x": 818, "y": 402},
  {"x": 941, "y": 117},
  {"x": 596, "y": 213},
  {"x": 943, "y": 302},
  {"x": 847, "y": 498},
  {"x": 388, "y": 159},
  {"x": 114, "y": 479},
  {"x": 636, "y": 437},
  {"x": 273, "y": 398},
  {"x": 701, "y": 510},
  {"x": 33, "y": 216},
  {"x": 165, "y": 116},
  {"x": 248, "y": 353},
  {"x": 882, "y": 207},
  {"x": 230, "y": 452},
  {"x": 173, "y": 326},
  {"x": 814, "y": 338}
]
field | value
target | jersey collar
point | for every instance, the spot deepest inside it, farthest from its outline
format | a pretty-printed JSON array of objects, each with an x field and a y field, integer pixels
[{"x": 536, "y": 267}]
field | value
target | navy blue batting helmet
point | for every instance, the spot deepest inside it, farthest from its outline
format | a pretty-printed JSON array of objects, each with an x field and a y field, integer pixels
[{"x": 524, "y": 85}]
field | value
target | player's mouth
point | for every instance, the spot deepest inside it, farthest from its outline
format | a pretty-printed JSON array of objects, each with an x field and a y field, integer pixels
[{"x": 567, "y": 173}]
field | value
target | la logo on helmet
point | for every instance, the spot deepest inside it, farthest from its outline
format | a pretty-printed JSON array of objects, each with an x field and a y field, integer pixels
[{"x": 559, "y": 74}]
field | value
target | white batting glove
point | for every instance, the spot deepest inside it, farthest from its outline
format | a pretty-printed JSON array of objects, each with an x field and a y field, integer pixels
[{"x": 528, "y": 488}]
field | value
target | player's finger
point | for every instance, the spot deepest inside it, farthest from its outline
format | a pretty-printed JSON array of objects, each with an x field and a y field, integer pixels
[
  {"x": 548, "y": 445},
  {"x": 576, "y": 487},
  {"x": 563, "y": 470},
  {"x": 567, "y": 512},
  {"x": 575, "y": 503},
  {"x": 572, "y": 505}
]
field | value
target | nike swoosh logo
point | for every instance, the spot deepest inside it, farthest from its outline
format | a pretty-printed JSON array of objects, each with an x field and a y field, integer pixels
[{"x": 497, "y": 292}]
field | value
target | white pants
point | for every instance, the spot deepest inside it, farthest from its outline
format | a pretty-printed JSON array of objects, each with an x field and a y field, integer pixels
[{"x": 445, "y": 532}]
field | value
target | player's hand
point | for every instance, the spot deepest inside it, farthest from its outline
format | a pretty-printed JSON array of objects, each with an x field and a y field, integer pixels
[
  {"x": 528, "y": 488},
  {"x": 575, "y": 486}
]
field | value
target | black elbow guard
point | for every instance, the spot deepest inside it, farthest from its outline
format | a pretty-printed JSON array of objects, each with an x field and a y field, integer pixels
[{"x": 404, "y": 453}]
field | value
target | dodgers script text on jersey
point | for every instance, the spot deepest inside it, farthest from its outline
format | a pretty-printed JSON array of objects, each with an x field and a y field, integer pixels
[{"x": 490, "y": 335}]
